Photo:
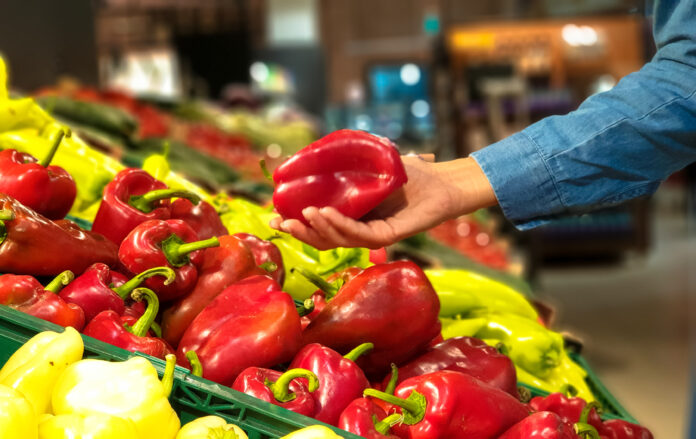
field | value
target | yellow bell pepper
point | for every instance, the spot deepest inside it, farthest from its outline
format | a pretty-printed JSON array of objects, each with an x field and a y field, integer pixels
[
  {"x": 211, "y": 427},
  {"x": 17, "y": 418},
  {"x": 313, "y": 432},
  {"x": 129, "y": 390},
  {"x": 34, "y": 369},
  {"x": 95, "y": 426}
]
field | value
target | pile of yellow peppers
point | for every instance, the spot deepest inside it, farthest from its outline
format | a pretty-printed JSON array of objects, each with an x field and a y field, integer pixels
[
  {"x": 47, "y": 391},
  {"x": 476, "y": 306}
]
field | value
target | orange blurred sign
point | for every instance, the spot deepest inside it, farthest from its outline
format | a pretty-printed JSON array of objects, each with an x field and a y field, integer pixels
[{"x": 472, "y": 40}]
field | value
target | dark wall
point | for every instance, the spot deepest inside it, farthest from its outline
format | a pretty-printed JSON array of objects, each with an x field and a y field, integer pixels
[{"x": 42, "y": 40}]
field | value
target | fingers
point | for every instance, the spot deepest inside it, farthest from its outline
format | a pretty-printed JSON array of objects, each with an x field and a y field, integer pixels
[
  {"x": 324, "y": 228},
  {"x": 373, "y": 234}
]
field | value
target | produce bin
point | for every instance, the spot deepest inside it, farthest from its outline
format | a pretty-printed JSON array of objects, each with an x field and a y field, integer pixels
[{"x": 192, "y": 397}]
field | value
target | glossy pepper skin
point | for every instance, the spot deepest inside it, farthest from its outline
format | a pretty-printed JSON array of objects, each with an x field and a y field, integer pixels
[
  {"x": 209, "y": 427},
  {"x": 171, "y": 243},
  {"x": 372, "y": 307},
  {"x": 352, "y": 171},
  {"x": 17, "y": 418},
  {"x": 541, "y": 425},
  {"x": 100, "y": 289},
  {"x": 569, "y": 409},
  {"x": 32, "y": 244},
  {"x": 283, "y": 389},
  {"x": 467, "y": 355},
  {"x": 251, "y": 323},
  {"x": 26, "y": 294},
  {"x": 48, "y": 190},
  {"x": 367, "y": 419},
  {"x": 130, "y": 199},
  {"x": 620, "y": 429},
  {"x": 114, "y": 329},
  {"x": 340, "y": 379},
  {"x": 266, "y": 255},
  {"x": 222, "y": 267},
  {"x": 452, "y": 404},
  {"x": 94, "y": 426},
  {"x": 313, "y": 432},
  {"x": 202, "y": 217}
]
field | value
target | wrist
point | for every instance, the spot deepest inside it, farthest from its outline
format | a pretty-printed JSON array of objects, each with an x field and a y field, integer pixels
[{"x": 468, "y": 186}]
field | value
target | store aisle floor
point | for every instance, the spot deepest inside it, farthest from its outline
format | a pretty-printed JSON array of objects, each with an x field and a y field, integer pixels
[{"x": 634, "y": 320}]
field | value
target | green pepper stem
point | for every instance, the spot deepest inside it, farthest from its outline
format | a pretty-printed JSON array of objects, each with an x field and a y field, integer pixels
[
  {"x": 156, "y": 329},
  {"x": 60, "y": 281},
  {"x": 145, "y": 202},
  {"x": 168, "y": 376},
  {"x": 124, "y": 290},
  {"x": 569, "y": 390},
  {"x": 196, "y": 366},
  {"x": 281, "y": 387},
  {"x": 413, "y": 407},
  {"x": 140, "y": 327},
  {"x": 5, "y": 215},
  {"x": 306, "y": 308},
  {"x": 54, "y": 147},
  {"x": 176, "y": 250},
  {"x": 269, "y": 266},
  {"x": 585, "y": 414},
  {"x": 385, "y": 424},
  {"x": 328, "y": 289},
  {"x": 391, "y": 385},
  {"x": 586, "y": 431},
  {"x": 264, "y": 169},
  {"x": 358, "y": 351}
]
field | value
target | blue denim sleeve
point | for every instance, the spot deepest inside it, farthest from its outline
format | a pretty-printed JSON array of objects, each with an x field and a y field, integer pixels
[{"x": 617, "y": 145}]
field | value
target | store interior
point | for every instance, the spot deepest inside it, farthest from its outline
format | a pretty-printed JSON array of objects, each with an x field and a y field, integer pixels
[{"x": 442, "y": 77}]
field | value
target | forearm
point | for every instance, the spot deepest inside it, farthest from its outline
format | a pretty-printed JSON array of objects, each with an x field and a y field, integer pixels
[{"x": 467, "y": 186}]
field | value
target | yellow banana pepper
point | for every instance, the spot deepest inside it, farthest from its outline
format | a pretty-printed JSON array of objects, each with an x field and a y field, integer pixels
[
  {"x": 313, "y": 432},
  {"x": 211, "y": 427},
  {"x": 158, "y": 166},
  {"x": 34, "y": 369},
  {"x": 129, "y": 390},
  {"x": 95, "y": 426},
  {"x": 17, "y": 418}
]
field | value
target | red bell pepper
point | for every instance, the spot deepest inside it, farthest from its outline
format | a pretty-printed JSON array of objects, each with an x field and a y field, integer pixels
[
  {"x": 172, "y": 243},
  {"x": 114, "y": 329},
  {"x": 620, "y": 429},
  {"x": 452, "y": 404},
  {"x": 468, "y": 355},
  {"x": 327, "y": 289},
  {"x": 569, "y": 409},
  {"x": 48, "y": 190},
  {"x": 202, "y": 217},
  {"x": 222, "y": 267},
  {"x": 132, "y": 198},
  {"x": 282, "y": 389},
  {"x": 373, "y": 307},
  {"x": 32, "y": 244},
  {"x": 99, "y": 288},
  {"x": 26, "y": 294},
  {"x": 541, "y": 425},
  {"x": 266, "y": 254},
  {"x": 367, "y": 419},
  {"x": 251, "y": 323},
  {"x": 340, "y": 379},
  {"x": 352, "y": 171}
]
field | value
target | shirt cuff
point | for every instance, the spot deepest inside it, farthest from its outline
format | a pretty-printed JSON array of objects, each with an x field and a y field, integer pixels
[{"x": 521, "y": 181}]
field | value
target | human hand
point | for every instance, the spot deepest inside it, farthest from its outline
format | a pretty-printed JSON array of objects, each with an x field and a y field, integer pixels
[{"x": 435, "y": 192}]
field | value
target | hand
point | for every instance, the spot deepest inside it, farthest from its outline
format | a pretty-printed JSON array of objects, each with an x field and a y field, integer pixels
[{"x": 435, "y": 192}]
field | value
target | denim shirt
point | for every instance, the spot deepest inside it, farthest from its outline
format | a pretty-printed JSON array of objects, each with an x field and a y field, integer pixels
[{"x": 617, "y": 145}]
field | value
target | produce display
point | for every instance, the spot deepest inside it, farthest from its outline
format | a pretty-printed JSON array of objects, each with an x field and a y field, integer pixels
[{"x": 174, "y": 271}]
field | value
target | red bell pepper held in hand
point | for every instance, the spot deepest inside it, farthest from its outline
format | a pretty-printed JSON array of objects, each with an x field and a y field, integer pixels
[
  {"x": 26, "y": 294},
  {"x": 266, "y": 254},
  {"x": 372, "y": 307},
  {"x": 173, "y": 243},
  {"x": 202, "y": 217},
  {"x": 99, "y": 288},
  {"x": 132, "y": 198},
  {"x": 367, "y": 419},
  {"x": 32, "y": 244},
  {"x": 452, "y": 404},
  {"x": 352, "y": 171},
  {"x": 222, "y": 267},
  {"x": 48, "y": 190},
  {"x": 340, "y": 379},
  {"x": 468, "y": 355},
  {"x": 620, "y": 429},
  {"x": 251, "y": 323},
  {"x": 111, "y": 328},
  {"x": 541, "y": 425},
  {"x": 282, "y": 389},
  {"x": 569, "y": 409}
]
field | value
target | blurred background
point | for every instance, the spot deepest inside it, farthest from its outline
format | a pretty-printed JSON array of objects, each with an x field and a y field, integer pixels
[{"x": 436, "y": 76}]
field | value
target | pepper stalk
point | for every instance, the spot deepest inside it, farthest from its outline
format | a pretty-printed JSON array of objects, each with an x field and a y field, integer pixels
[
  {"x": 146, "y": 202},
  {"x": 176, "y": 250},
  {"x": 125, "y": 290},
  {"x": 281, "y": 387},
  {"x": 60, "y": 281},
  {"x": 142, "y": 325},
  {"x": 413, "y": 407}
]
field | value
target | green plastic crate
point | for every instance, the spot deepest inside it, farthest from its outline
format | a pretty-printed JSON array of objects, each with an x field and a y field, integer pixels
[{"x": 192, "y": 397}]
